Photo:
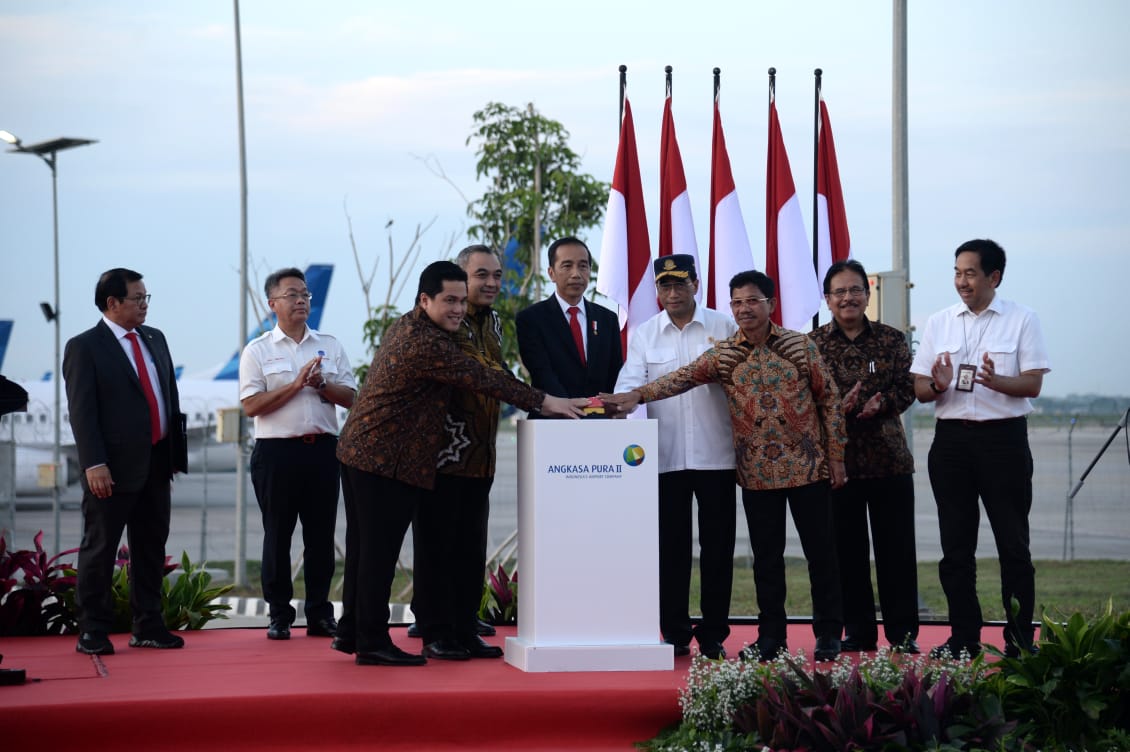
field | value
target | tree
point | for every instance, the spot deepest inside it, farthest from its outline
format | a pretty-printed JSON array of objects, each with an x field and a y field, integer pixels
[{"x": 536, "y": 190}]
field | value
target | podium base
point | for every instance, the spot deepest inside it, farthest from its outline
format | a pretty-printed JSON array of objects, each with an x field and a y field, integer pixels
[{"x": 527, "y": 656}]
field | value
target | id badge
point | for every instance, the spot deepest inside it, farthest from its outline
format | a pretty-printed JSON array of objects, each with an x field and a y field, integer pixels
[{"x": 965, "y": 374}]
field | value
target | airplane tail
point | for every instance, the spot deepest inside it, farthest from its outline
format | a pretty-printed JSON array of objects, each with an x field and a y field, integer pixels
[
  {"x": 318, "y": 283},
  {"x": 5, "y": 335}
]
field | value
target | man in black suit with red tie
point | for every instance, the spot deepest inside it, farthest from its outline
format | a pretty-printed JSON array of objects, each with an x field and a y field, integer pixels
[
  {"x": 570, "y": 346},
  {"x": 125, "y": 415}
]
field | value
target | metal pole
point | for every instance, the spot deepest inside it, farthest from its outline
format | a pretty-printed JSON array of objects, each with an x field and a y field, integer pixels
[
  {"x": 900, "y": 182},
  {"x": 1068, "y": 511},
  {"x": 816, "y": 193},
  {"x": 57, "y": 457},
  {"x": 239, "y": 576}
]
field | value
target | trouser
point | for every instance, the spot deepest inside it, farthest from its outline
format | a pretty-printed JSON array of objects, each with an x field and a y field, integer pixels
[
  {"x": 449, "y": 542},
  {"x": 715, "y": 492},
  {"x": 990, "y": 460},
  {"x": 888, "y": 504},
  {"x": 144, "y": 515},
  {"x": 378, "y": 511},
  {"x": 297, "y": 479},
  {"x": 765, "y": 515}
]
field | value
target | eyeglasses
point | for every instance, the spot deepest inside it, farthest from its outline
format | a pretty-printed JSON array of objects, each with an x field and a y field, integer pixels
[
  {"x": 855, "y": 291},
  {"x": 139, "y": 299},
  {"x": 292, "y": 297},
  {"x": 739, "y": 302}
]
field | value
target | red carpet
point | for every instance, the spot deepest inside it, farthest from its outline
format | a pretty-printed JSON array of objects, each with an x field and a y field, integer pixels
[{"x": 234, "y": 689}]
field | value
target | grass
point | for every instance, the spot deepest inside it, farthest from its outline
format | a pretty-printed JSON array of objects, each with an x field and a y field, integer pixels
[{"x": 1062, "y": 587}]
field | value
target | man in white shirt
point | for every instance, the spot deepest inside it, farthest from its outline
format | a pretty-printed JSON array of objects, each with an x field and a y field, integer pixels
[
  {"x": 290, "y": 381},
  {"x": 980, "y": 361},
  {"x": 696, "y": 458}
]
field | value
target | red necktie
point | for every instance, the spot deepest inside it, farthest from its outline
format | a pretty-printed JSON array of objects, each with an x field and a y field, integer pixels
[
  {"x": 147, "y": 387},
  {"x": 578, "y": 338}
]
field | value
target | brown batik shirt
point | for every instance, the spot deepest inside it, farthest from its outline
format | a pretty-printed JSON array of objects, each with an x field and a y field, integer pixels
[
  {"x": 880, "y": 358},
  {"x": 784, "y": 406},
  {"x": 472, "y": 420},
  {"x": 396, "y": 426}
]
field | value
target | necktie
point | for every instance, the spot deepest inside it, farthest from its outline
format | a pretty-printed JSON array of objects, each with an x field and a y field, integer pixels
[
  {"x": 578, "y": 338},
  {"x": 146, "y": 387}
]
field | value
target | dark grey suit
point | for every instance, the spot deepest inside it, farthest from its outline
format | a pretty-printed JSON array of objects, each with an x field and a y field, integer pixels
[
  {"x": 109, "y": 416},
  {"x": 548, "y": 352}
]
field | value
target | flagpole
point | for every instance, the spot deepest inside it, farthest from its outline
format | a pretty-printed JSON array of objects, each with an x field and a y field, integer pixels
[
  {"x": 816, "y": 191},
  {"x": 623, "y": 89},
  {"x": 667, "y": 89}
]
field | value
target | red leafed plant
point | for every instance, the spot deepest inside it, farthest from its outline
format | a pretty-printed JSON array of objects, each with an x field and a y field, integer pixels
[
  {"x": 36, "y": 592},
  {"x": 499, "y": 604}
]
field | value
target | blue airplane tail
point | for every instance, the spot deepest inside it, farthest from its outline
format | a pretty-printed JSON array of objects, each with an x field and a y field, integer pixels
[
  {"x": 318, "y": 283},
  {"x": 5, "y": 335}
]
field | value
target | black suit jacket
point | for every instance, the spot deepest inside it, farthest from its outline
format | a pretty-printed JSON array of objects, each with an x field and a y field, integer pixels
[
  {"x": 546, "y": 346},
  {"x": 108, "y": 411}
]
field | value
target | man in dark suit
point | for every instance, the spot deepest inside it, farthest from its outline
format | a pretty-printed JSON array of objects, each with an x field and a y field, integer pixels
[
  {"x": 130, "y": 433},
  {"x": 553, "y": 334}
]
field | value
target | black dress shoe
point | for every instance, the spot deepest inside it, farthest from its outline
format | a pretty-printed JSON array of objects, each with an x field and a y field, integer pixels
[
  {"x": 952, "y": 649},
  {"x": 322, "y": 627},
  {"x": 909, "y": 646},
  {"x": 681, "y": 649},
  {"x": 827, "y": 649},
  {"x": 160, "y": 638},
  {"x": 477, "y": 647},
  {"x": 94, "y": 643},
  {"x": 390, "y": 656},
  {"x": 278, "y": 630},
  {"x": 485, "y": 629},
  {"x": 712, "y": 650},
  {"x": 446, "y": 650},
  {"x": 414, "y": 630},
  {"x": 856, "y": 645},
  {"x": 344, "y": 645},
  {"x": 764, "y": 649}
]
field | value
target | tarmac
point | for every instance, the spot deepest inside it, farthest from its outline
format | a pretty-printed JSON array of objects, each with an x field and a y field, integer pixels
[{"x": 203, "y": 518}]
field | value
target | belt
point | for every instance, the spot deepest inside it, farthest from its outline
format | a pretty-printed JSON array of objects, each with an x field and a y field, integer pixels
[
  {"x": 996, "y": 423},
  {"x": 310, "y": 438}
]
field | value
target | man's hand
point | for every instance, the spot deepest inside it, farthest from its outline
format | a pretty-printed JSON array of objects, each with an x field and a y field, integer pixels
[
  {"x": 564, "y": 406},
  {"x": 942, "y": 372},
  {"x": 311, "y": 373},
  {"x": 851, "y": 398},
  {"x": 838, "y": 472},
  {"x": 100, "y": 482},
  {"x": 624, "y": 402},
  {"x": 872, "y": 406}
]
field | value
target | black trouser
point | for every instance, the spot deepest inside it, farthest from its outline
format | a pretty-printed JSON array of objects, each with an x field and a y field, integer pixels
[
  {"x": 765, "y": 515},
  {"x": 378, "y": 512},
  {"x": 888, "y": 503},
  {"x": 449, "y": 545},
  {"x": 990, "y": 460},
  {"x": 297, "y": 479},
  {"x": 144, "y": 514},
  {"x": 715, "y": 491}
]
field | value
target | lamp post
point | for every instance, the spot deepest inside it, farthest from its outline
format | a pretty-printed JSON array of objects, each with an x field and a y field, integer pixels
[{"x": 47, "y": 151}]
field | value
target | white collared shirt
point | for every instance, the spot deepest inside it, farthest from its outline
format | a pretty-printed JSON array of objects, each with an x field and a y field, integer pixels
[
  {"x": 581, "y": 318},
  {"x": 273, "y": 360},
  {"x": 150, "y": 368},
  {"x": 1009, "y": 332},
  {"x": 694, "y": 427}
]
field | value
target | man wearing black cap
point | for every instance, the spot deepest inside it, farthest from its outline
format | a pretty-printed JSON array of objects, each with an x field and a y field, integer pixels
[{"x": 696, "y": 458}]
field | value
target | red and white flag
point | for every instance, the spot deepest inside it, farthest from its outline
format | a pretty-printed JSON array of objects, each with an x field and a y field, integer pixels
[
  {"x": 788, "y": 256},
  {"x": 676, "y": 227},
  {"x": 729, "y": 244},
  {"x": 626, "y": 275},
  {"x": 833, "y": 243}
]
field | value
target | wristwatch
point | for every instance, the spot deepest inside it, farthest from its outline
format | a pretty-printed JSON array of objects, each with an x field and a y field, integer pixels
[
  {"x": 934, "y": 387},
  {"x": 322, "y": 387}
]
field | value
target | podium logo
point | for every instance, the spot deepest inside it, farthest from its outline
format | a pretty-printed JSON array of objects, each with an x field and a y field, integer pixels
[{"x": 634, "y": 455}]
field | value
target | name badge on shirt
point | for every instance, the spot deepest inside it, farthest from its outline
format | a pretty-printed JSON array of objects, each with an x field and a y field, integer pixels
[{"x": 965, "y": 374}]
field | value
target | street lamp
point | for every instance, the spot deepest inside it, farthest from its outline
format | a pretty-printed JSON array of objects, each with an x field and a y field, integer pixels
[{"x": 46, "y": 150}]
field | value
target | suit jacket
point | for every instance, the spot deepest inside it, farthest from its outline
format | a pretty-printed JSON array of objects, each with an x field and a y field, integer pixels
[
  {"x": 546, "y": 346},
  {"x": 108, "y": 411}
]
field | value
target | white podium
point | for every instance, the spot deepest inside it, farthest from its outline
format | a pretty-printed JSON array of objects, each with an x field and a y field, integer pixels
[{"x": 588, "y": 551}]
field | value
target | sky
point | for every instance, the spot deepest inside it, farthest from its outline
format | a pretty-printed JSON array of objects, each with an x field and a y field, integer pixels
[{"x": 1018, "y": 125}]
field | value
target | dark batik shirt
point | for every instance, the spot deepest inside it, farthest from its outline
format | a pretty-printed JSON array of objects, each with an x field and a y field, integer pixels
[
  {"x": 396, "y": 427},
  {"x": 472, "y": 420},
  {"x": 784, "y": 407},
  {"x": 880, "y": 358}
]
